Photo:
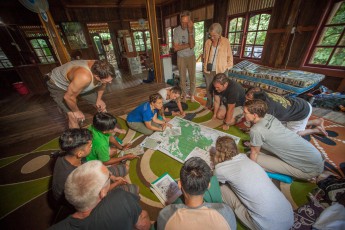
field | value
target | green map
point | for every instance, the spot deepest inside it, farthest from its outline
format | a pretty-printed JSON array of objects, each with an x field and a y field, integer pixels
[{"x": 180, "y": 140}]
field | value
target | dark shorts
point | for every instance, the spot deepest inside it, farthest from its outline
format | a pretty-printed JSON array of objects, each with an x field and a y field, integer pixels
[{"x": 57, "y": 94}]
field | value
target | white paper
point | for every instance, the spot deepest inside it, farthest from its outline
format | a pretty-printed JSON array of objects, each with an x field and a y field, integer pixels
[
  {"x": 203, "y": 154},
  {"x": 167, "y": 189}
]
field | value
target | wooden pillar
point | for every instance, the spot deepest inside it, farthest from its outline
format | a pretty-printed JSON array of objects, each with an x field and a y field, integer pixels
[
  {"x": 151, "y": 13},
  {"x": 50, "y": 28},
  {"x": 286, "y": 37},
  {"x": 220, "y": 13}
]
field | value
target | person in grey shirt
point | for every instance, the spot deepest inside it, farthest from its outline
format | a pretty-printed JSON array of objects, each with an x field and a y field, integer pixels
[
  {"x": 288, "y": 153},
  {"x": 183, "y": 43},
  {"x": 195, "y": 176},
  {"x": 247, "y": 189}
]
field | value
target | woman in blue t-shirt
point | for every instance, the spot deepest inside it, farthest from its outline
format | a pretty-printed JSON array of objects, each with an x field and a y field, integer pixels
[{"x": 144, "y": 118}]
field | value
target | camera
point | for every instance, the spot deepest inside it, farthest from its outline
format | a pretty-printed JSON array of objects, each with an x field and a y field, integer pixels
[{"x": 209, "y": 67}]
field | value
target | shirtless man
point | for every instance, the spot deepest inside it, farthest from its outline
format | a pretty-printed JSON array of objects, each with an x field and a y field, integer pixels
[{"x": 81, "y": 78}]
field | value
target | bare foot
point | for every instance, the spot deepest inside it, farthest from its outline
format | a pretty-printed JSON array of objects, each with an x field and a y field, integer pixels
[
  {"x": 322, "y": 130},
  {"x": 192, "y": 99}
]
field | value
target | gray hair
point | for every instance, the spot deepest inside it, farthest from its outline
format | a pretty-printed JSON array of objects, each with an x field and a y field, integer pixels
[
  {"x": 84, "y": 184},
  {"x": 216, "y": 27},
  {"x": 185, "y": 13}
]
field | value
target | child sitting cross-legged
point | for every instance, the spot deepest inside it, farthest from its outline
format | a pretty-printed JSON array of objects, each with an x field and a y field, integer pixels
[
  {"x": 104, "y": 145},
  {"x": 75, "y": 144}
]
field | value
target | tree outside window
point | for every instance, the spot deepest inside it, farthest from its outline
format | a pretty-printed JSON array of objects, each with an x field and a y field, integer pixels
[
  {"x": 330, "y": 48},
  {"x": 42, "y": 50},
  {"x": 252, "y": 44}
]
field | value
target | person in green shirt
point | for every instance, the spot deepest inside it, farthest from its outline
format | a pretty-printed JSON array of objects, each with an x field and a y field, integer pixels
[{"x": 104, "y": 145}]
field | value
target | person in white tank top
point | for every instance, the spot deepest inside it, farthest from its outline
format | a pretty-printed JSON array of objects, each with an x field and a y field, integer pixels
[{"x": 81, "y": 78}]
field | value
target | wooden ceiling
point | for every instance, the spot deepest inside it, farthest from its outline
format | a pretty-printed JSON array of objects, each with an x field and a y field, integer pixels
[{"x": 109, "y": 3}]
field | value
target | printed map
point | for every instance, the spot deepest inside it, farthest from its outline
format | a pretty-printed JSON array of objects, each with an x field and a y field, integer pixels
[{"x": 180, "y": 140}]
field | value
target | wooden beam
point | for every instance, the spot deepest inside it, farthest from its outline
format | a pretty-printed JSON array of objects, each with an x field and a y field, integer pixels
[
  {"x": 50, "y": 28},
  {"x": 286, "y": 37},
  {"x": 151, "y": 12}
]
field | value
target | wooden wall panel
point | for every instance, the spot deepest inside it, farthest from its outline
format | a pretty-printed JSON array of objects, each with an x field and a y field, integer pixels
[
  {"x": 33, "y": 76},
  {"x": 306, "y": 25},
  {"x": 220, "y": 14},
  {"x": 307, "y": 20}
]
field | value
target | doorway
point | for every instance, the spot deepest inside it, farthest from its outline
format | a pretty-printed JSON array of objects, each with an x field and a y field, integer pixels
[{"x": 199, "y": 44}]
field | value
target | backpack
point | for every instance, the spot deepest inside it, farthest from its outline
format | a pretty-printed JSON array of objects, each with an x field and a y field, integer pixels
[{"x": 150, "y": 76}]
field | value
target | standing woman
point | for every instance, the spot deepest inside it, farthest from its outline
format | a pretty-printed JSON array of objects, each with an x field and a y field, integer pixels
[
  {"x": 217, "y": 58},
  {"x": 144, "y": 118}
]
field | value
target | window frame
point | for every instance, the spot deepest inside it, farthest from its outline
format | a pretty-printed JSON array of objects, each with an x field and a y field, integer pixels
[
  {"x": 315, "y": 40},
  {"x": 52, "y": 54},
  {"x": 169, "y": 39},
  {"x": 144, "y": 40},
  {"x": 247, "y": 16},
  {"x": 3, "y": 60}
]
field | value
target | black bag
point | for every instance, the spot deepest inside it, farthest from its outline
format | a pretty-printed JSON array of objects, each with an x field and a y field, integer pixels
[
  {"x": 209, "y": 67},
  {"x": 333, "y": 187}
]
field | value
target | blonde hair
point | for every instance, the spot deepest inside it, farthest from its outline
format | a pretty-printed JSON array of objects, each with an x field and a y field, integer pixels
[{"x": 226, "y": 149}]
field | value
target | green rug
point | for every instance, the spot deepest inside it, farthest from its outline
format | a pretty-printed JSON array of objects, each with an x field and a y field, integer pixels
[{"x": 27, "y": 195}]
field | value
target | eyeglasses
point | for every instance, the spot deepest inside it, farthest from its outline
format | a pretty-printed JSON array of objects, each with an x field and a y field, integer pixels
[{"x": 107, "y": 179}]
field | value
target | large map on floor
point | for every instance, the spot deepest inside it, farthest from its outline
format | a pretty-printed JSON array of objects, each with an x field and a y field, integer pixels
[{"x": 185, "y": 138}]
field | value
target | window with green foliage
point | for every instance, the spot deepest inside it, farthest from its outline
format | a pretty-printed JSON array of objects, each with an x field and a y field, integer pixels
[
  {"x": 4, "y": 62},
  {"x": 329, "y": 49},
  {"x": 235, "y": 35},
  {"x": 148, "y": 40},
  {"x": 251, "y": 45},
  {"x": 199, "y": 39},
  {"x": 142, "y": 40},
  {"x": 139, "y": 41},
  {"x": 169, "y": 36},
  {"x": 42, "y": 50}
]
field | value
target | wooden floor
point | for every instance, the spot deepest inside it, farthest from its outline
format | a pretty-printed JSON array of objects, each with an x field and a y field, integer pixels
[{"x": 28, "y": 120}]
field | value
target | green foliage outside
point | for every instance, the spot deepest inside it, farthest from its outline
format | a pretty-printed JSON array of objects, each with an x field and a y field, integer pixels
[
  {"x": 199, "y": 38},
  {"x": 330, "y": 38}
]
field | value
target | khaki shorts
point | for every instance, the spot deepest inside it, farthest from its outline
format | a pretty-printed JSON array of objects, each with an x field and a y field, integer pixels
[{"x": 58, "y": 94}]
